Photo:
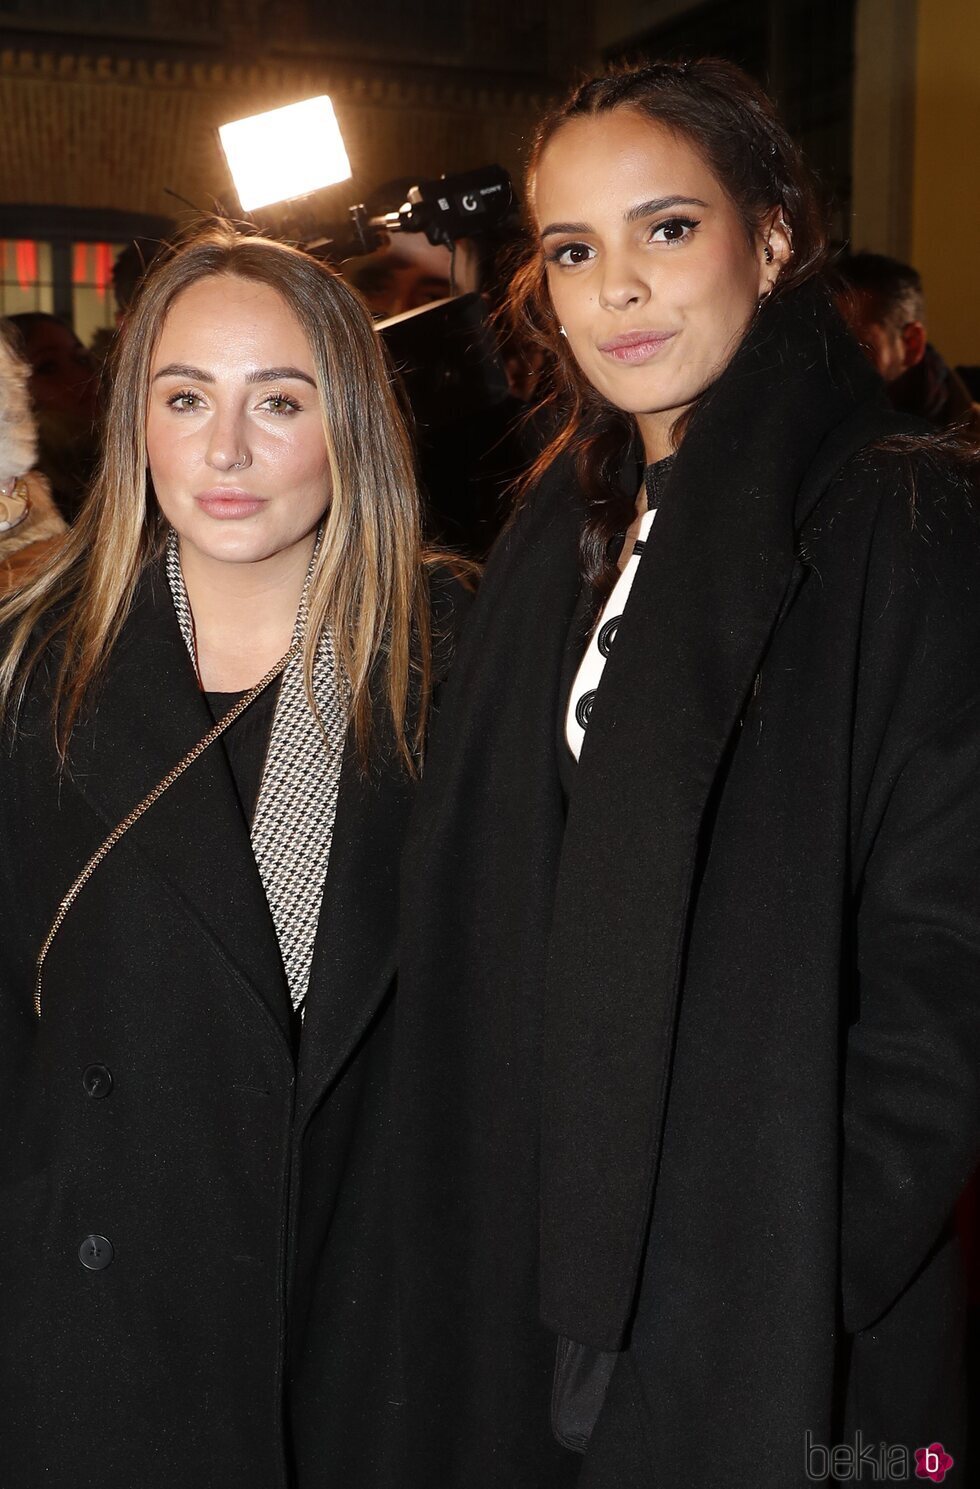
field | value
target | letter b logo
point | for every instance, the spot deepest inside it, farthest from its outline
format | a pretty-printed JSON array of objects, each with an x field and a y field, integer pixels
[
  {"x": 932, "y": 1463},
  {"x": 817, "y": 1460}
]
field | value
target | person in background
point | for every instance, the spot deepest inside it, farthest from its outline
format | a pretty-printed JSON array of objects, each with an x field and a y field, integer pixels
[
  {"x": 883, "y": 302},
  {"x": 408, "y": 272},
  {"x": 29, "y": 519},
  {"x": 468, "y": 461},
  {"x": 64, "y": 388},
  {"x": 131, "y": 266}
]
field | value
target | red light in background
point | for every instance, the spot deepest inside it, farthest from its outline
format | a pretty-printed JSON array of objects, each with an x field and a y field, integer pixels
[
  {"x": 103, "y": 267},
  {"x": 79, "y": 266},
  {"x": 26, "y": 262}
]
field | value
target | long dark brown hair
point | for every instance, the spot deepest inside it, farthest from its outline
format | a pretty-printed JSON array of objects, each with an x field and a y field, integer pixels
[{"x": 734, "y": 126}]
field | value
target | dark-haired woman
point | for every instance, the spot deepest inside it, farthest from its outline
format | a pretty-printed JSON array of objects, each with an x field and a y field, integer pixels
[{"x": 690, "y": 1057}]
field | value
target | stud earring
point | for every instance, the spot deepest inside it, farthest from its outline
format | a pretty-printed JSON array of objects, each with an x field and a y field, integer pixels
[
  {"x": 562, "y": 331},
  {"x": 769, "y": 253}
]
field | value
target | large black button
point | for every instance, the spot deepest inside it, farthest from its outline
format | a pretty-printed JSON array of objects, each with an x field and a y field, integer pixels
[
  {"x": 97, "y": 1080},
  {"x": 95, "y": 1253}
]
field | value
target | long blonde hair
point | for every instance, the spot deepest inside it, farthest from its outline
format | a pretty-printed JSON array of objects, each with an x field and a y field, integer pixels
[{"x": 368, "y": 584}]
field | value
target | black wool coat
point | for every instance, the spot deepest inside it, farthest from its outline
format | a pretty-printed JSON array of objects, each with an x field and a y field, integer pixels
[
  {"x": 689, "y": 1068},
  {"x": 241, "y": 1335}
]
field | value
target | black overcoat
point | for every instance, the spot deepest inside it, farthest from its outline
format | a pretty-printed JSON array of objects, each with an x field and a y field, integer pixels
[
  {"x": 688, "y": 1067},
  {"x": 242, "y": 1335}
]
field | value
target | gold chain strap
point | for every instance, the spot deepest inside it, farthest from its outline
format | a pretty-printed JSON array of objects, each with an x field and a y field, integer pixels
[{"x": 153, "y": 796}]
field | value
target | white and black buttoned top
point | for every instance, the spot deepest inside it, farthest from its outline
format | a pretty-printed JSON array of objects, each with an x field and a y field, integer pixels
[{"x": 589, "y": 675}]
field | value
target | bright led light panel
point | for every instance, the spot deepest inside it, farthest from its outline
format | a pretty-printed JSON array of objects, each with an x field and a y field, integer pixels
[{"x": 285, "y": 152}]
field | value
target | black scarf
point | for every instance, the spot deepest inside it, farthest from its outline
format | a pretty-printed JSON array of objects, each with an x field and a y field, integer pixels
[{"x": 796, "y": 398}]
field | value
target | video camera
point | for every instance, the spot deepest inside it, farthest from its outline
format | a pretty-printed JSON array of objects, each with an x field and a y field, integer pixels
[
  {"x": 285, "y": 192},
  {"x": 445, "y": 352}
]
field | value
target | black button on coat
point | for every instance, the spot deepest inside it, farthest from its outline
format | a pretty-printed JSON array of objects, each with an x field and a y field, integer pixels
[
  {"x": 96, "y": 1081},
  {"x": 96, "y": 1253}
]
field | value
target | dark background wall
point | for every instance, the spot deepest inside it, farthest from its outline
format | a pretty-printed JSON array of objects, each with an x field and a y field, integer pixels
[{"x": 802, "y": 51}]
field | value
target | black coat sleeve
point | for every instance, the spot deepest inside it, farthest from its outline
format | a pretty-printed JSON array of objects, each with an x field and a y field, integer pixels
[{"x": 912, "y": 1062}]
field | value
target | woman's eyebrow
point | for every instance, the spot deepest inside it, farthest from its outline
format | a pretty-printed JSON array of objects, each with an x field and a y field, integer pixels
[
  {"x": 277, "y": 374},
  {"x": 659, "y": 204},
  {"x": 632, "y": 214},
  {"x": 259, "y": 375},
  {"x": 181, "y": 369},
  {"x": 565, "y": 227}
]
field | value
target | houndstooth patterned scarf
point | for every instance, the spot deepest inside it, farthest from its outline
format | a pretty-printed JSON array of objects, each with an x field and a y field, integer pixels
[{"x": 293, "y": 826}]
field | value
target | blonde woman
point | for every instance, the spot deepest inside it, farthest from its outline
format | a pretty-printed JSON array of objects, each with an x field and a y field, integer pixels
[{"x": 214, "y": 699}]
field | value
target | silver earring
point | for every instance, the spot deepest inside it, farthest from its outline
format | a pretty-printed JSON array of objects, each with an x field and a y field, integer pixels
[
  {"x": 769, "y": 253},
  {"x": 562, "y": 331}
]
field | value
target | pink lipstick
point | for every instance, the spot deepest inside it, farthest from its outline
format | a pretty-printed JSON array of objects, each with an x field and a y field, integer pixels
[
  {"x": 636, "y": 346},
  {"x": 229, "y": 502}
]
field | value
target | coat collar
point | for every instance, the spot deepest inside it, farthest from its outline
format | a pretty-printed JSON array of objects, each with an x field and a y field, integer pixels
[
  {"x": 147, "y": 715},
  {"x": 703, "y": 608},
  {"x": 196, "y": 839}
]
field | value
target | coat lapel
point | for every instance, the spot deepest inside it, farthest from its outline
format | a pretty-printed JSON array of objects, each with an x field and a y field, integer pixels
[
  {"x": 354, "y": 951},
  {"x": 148, "y": 714},
  {"x": 717, "y": 575}
]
